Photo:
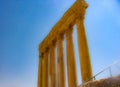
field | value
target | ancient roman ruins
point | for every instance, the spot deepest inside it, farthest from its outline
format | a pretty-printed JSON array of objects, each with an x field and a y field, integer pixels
[{"x": 52, "y": 73}]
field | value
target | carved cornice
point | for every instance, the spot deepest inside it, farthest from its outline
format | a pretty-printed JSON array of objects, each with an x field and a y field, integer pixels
[{"x": 77, "y": 10}]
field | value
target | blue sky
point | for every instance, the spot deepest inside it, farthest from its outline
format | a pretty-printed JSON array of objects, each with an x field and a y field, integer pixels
[{"x": 25, "y": 23}]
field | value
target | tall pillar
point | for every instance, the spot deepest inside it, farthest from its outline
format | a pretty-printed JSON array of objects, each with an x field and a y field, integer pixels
[
  {"x": 40, "y": 72},
  {"x": 53, "y": 65},
  {"x": 49, "y": 69},
  {"x": 71, "y": 61},
  {"x": 61, "y": 66},
  {"x": 86, "y": 70},
  {"x": 45, "y": 69}
]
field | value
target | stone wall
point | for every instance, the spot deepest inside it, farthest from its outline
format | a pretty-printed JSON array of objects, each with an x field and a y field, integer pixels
[{"x": 109, "y": 82}]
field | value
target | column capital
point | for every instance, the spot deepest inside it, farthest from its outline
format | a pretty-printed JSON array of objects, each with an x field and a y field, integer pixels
[
  {"x": 80, "y": 9},
  {"x": 46, "y": 50},
  {"x": 80, "y": 20},
  {"x": 80, "y": 24},
  {"x": 60, "y": 36},
  {"x": 53, "y": 43},
  {"x": 69, "y": 30},
  {"x": 83, "y": 2},
  {"x": 40, "y": 55}
]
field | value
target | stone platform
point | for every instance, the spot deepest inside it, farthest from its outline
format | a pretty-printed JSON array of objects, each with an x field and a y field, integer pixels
[{"x": 108, "y": 82}]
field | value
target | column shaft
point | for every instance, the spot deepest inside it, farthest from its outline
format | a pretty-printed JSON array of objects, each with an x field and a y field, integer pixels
[
  {"x": 71, "y": 61},
  {"x": 40, "y": 72},
  {"x": 53, "y": 65},
  {"x": 86, "y": 70},
  {"x": 45, "y": 70},
  {"x": 61, "y": 66}
]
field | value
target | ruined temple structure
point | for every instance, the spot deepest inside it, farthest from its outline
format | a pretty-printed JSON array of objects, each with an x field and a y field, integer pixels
[{"x": 51, "y": 70}]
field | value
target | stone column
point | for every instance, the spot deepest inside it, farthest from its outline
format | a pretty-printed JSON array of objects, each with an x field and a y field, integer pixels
[
  {"x": 40, "y": 71},
  {"x": 86, "y": 70},
  {"x": 49, "y": 69},
  {"x": 61, "y": 66},
  {"x": 71, "y": 61},
  {"x": 53, "y": 64},
  {"x": 45, "y": 69}
]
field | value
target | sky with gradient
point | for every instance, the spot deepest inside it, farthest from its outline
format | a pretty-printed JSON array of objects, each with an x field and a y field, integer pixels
[{"x": 25, "y": 23}]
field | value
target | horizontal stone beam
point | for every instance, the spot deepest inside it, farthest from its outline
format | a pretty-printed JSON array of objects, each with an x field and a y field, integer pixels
[{"x": 68, "y": 19}]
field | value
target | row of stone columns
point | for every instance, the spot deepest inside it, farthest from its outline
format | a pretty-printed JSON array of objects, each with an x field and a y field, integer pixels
[{"x": 52, "y": 73}]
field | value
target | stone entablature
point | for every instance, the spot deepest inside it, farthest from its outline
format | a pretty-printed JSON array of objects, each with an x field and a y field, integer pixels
[{"x": 76, "y": 11}]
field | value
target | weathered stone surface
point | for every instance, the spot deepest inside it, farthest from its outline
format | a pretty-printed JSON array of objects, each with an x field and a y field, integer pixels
[
  {"x": 85, "y": 64},
  {"x": 62, "y": 28},
  {"x": 77, "y": 10},
  {"x": 40, "y": 72},
  {"x": 71, "y": 61},
  {"x": 108, "y": 82},
  {"x": 52, "y": 65},
  {"x": 45, "y": 69},
  {"x": 61, "y": 63}
]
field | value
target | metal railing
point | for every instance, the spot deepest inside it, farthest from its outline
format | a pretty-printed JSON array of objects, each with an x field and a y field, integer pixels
[{"x": 113, "y": 70}]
